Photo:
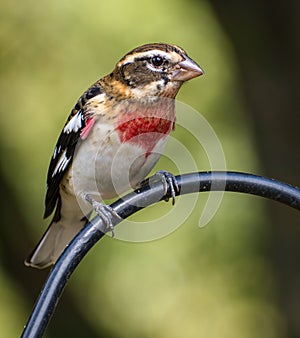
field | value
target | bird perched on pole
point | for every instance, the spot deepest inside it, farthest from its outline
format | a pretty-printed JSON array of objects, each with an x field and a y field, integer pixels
[{"x": 112, "y": 139}]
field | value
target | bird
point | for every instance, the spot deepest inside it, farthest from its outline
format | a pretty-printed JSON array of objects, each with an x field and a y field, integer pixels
[{"x": 111, "y": 141}]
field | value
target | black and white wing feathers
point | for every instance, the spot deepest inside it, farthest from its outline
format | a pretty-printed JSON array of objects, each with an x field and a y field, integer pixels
[{"x": 65, "y": 147}]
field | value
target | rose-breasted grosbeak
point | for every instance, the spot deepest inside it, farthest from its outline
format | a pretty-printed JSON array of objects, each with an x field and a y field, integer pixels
[{"x": 111, "y": 141}]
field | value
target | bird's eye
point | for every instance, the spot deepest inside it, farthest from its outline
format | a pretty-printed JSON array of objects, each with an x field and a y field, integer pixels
[{"x": 157, "y": 61}]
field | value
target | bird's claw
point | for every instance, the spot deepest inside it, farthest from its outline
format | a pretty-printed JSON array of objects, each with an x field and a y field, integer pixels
[
  {"x": 105, "y": 212},
  {"x": 169, "y": 182}
]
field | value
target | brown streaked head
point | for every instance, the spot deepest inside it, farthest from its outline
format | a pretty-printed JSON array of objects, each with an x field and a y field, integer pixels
[{"x": 155, "y": 69}]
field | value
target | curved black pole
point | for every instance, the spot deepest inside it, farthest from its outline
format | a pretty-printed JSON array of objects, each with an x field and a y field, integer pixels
[{"x": 131, "y": 203}]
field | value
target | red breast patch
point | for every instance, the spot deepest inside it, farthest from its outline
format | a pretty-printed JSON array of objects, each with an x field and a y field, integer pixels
[{"x": 144, "y": 131}]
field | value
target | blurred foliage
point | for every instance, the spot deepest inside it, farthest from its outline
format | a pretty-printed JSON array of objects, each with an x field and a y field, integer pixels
[{"x": 195, "y": 282}]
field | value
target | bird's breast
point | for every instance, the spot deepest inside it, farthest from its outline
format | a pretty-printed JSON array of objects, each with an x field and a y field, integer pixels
[
  {"x": 144, "y": 131},
  {"x": 145, "y": 127}
]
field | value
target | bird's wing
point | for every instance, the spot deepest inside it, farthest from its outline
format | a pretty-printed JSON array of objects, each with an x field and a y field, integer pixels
[{"x": 77, "y": 127}]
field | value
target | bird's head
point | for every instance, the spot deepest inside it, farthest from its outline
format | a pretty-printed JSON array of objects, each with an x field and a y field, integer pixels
[{"x": 156, "y": 70}]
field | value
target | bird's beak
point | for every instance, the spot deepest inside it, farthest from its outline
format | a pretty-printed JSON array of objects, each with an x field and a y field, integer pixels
[{"x": 188, "y": 69}]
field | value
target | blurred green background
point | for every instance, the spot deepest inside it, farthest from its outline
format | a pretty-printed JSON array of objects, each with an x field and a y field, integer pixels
[{"x": 237, "y": 277}]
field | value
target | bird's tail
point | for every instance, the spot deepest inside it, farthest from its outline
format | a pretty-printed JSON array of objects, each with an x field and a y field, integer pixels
[{"x": 58, "y": 235}]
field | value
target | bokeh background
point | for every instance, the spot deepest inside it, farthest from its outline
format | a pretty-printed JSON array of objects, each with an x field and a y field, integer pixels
[{"x": 237, "y": 277}]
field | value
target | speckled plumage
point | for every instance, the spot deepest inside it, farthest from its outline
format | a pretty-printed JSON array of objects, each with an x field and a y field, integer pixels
[{"x": 112, "y": 139}]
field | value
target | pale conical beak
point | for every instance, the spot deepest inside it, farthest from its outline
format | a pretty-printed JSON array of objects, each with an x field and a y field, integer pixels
[{"x": 188, "y": 69}]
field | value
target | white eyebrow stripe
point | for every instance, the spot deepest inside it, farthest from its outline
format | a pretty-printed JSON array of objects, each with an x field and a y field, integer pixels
[{"x": 150, "y": 53}]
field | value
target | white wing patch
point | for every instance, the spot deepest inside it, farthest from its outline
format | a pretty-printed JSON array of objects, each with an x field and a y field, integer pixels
[
  {"x": 56, "y": 151},
  {"x": 74, "y": 124},
  {"x": 61, "y": 164}
]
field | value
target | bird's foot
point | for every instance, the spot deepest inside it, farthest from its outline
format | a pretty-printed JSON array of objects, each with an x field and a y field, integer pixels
[
  {"x": 169, "y": 182},
  {"x": 104, "y": 211}
]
